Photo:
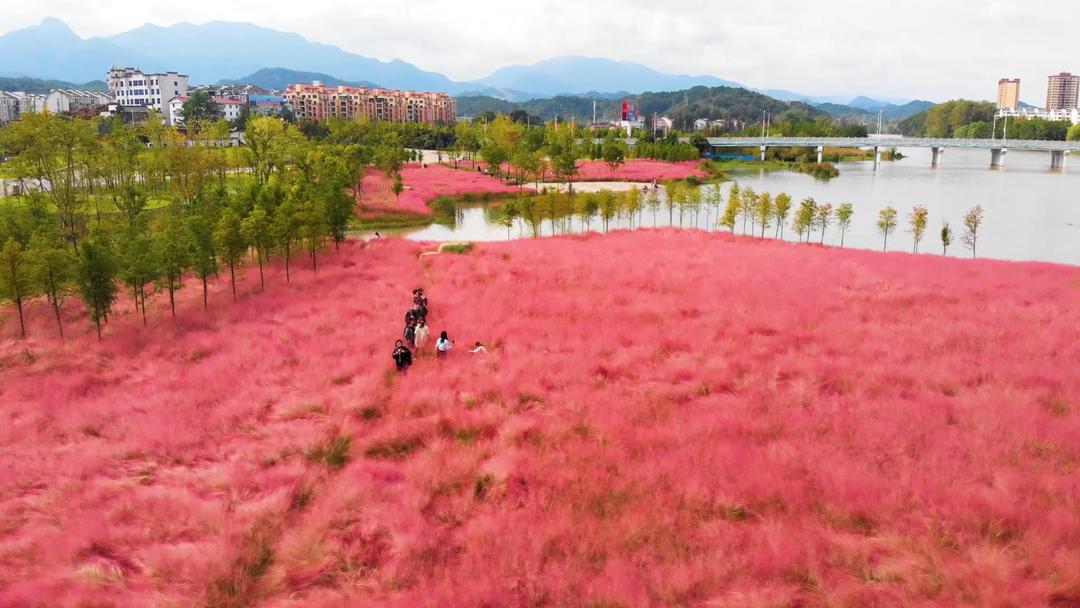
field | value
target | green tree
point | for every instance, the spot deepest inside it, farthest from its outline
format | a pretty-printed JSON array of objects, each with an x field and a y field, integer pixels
[
  {"x": 587, "y": 206},
  {"x": 886, "y": 224},
  {"x": 96, "y": 278},
  {"x": 203, "y": 255},
  {"x": 731, "y": 211},
  {"x": 313, "y": 227},
  {"x": 15, "y": 277},
  {"x": 917, "y": 226},
  {"x": 256, "y": 227},
  {"x": 397, "y": 187},
  {"x": 823, "y": 218},
  {"x": 747, "y": 206},
  {"x": 229, "y": 243},
  {"x": 52, "y": 267},
  {"x": 509, "y": 212},
  {"x": 614, "y": 152},
  {"x": 804, "y": 218},
  {"x": 173, "y": 248},
  {"x": 972, "y": 224},
  {"x": 946, "y": 238},
  {"x": 286, "y": 231},
  {"x": 1074, "y": 133},
  {"x": 199, "y": 108},
  {"x": 844, "y": 214},
  {"x": 781, "y": 210},
  {"x": 763, "y": 211},
  {"x": 609, "y": 206},
  {"x": 136, "y": 262},
  {"x": 653, "y": 202}
]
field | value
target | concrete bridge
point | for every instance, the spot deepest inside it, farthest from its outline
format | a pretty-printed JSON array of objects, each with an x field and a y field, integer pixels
[{"x": 1059, "y": 150}]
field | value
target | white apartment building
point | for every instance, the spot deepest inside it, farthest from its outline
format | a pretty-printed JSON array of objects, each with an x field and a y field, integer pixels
[
  {"x": 9, "y": 107},
  {"x": 30, "y": 102},
  {"x": 62, "y": 101},
  {"x": 131, "y": 87},
  {"x": 230, "y": 108}
]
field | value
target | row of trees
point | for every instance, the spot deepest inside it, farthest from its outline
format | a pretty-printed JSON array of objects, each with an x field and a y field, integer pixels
[
  {"x": 114, "y": 208},
  {"x": 964, "y": 119}
]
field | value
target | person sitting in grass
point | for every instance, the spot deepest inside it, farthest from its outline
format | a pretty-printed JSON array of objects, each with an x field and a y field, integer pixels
[
  {"x": 402, "y": 356},
  {"x": 479, "y": 349},
  {"x": 443, "y": 345}
]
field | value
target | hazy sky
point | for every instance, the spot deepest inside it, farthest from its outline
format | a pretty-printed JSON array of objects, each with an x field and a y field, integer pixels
[{"x": 933, "y": 49}]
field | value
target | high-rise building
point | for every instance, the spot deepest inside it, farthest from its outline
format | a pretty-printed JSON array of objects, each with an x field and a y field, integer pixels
[
  {"x": 1008, "y": 94},
  {"x": 131, "y": 87},
  {"x": 1061, "y": 91},
  {"x": 318, "y": 102}
]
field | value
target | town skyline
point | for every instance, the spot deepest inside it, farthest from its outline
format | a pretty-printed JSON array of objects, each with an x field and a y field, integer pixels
[{"x": 468, "y": 41}]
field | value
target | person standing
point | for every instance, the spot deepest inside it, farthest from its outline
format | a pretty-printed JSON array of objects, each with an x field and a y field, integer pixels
[
  {"x": 420, "y": 335},
  {"x": 402, "y": 356},
  {"x": 443, "y": 345},
  {"x": 410, "y": 334}
]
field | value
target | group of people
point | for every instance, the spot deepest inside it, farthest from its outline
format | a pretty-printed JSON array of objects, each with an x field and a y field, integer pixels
[{"x": 417, "y": 332}]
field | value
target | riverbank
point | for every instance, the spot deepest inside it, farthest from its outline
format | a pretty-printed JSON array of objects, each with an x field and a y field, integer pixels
[{"x": 664, "y": 417}]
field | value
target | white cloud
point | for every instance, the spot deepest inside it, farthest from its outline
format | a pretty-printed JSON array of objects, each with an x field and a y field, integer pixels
[{"x": 919, "y": 48}]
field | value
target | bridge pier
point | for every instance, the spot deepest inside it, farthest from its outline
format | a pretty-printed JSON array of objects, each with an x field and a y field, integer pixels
[
  {"x": 877, "y": 157},
  {"x": 820, "y": 154},
  {"x": 764, "y": 149},
  {"x": 997, "y": 157},
  {"x": 1059, "y": 160},
  {"x": 935, "y": 161}
]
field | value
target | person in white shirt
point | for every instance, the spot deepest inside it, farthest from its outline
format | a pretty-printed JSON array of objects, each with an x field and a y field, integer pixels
[
  {"x": 443, "y": 345},
  {"x": 421, "y": 334},
  {"x": 479, "y": 348}
]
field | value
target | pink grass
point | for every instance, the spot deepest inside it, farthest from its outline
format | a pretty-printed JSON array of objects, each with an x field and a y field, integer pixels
[
  {"x": 639, "y": 170},
  {"x": 425, "y": 184},
  {"x": 665, "y": 419}
]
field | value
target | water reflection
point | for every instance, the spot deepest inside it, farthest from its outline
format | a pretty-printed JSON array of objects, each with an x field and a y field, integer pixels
[{"x": 1031, "y": 213}]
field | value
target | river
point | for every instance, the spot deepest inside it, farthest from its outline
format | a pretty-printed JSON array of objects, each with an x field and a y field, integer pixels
[{"x": 1030, "y": 212}]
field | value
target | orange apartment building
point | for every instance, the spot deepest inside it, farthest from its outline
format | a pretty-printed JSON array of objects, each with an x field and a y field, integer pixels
[{"x": 317, "y": 102}]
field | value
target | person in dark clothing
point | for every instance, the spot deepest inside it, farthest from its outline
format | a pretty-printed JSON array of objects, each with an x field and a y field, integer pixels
[
  {"x": 410, "y": 334},
  {"x": 410, "y": 317},
  {"x": 402, "y": 356}
]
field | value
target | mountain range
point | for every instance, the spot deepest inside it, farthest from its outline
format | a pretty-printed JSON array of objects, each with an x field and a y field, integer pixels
[{"x": 227, "y": 51}]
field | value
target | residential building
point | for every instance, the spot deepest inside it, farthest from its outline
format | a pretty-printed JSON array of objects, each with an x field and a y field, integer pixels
[
  {"x": 69, "y": 101},
  {"x": 1061, "y": 91},
  {"x": 701, "y": 124},
  {"x": 317, "y": 102},
  {"x": 131, "y": 87},
  {"x": 266, "y": 105},
  {"x": 1008, "y": 93},
  {"x": 133, "y": 115},
  {"x": 9, "y": 107},
  {"x": 230, "y": 109},
  {"x": 30, "y": 102}
]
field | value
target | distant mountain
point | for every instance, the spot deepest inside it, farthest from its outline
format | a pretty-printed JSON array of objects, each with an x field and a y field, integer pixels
[
  {"x": 51, "y": 50},
  {"x": 576, "y": 75},
  {"x": 219, "y": 51},
  {"x": 279, "y": 78},
  {"x": 837, "y": 110},
  {"x": 37, "y": 85},
  {"x": 684, "y": 107},
  {"x": 868, "y": 109}
]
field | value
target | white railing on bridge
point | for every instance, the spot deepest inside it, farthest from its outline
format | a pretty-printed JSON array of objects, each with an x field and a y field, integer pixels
[{"x": 905, "y": 142}]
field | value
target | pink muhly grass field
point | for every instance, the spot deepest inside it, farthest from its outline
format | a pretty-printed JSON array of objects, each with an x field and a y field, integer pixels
[
  {"x": 422, "y": 185},
  {"x": 638, "y": 170},
  {"x": 665, "y": 419}
]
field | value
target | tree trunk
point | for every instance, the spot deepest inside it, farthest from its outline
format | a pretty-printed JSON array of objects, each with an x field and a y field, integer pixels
[
  {"x": 22, "y": 323},
  {"x": 287, "y": 279},
  {"x": 59, "y": 322},
  {"x": 97, "y": 322},
  {"x": 262, "y": 283},
  {"x": 172, "y": 297},
  {"x": 142, "y": 289},
  {"x": 232, "y": 279},
  {"x": 204, "y": 299}
]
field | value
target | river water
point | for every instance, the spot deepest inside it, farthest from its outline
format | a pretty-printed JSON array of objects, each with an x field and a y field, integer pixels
[{"x": 1030, "y": 212}]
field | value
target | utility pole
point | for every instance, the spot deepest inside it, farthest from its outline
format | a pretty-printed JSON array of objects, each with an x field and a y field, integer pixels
[
  {"x": 594, "y": 111},
  {"x": 763, "y": 115},
  {"x": 881, "y": 114}
]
